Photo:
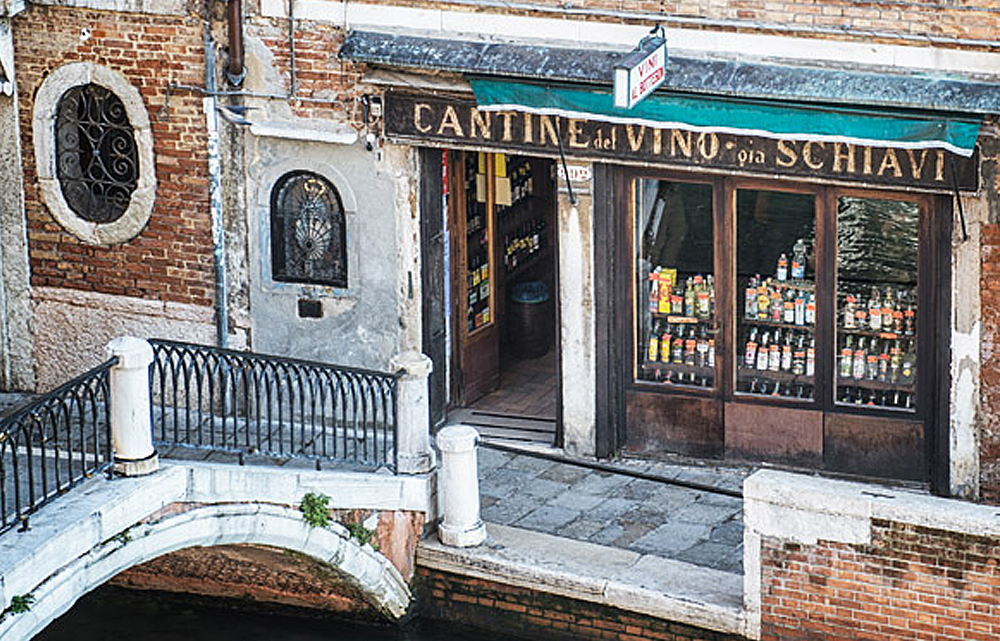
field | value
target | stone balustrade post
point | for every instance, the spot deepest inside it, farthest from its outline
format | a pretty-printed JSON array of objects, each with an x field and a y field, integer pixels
[
  {"x": 458, "y": 487},
  {"x": 131, "y": 429},
  {"x": 414, "y": 453}
]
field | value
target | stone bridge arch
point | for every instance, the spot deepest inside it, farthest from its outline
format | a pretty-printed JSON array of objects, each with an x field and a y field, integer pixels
[{"x": 190, "y": 525}]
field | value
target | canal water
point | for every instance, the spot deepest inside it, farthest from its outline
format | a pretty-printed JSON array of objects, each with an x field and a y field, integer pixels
[{"x": 111, "y": 613}]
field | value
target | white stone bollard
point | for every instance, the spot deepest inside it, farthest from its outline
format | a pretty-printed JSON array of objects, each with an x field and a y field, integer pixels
[
  {"x": 458, "y": 485},
  {"x": 414, "y": 453},
  {"x": 131, "y": 430}
]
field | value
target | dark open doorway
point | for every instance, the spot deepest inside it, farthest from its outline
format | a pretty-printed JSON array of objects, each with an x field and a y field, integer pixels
[{"x": 494, "y": 330}]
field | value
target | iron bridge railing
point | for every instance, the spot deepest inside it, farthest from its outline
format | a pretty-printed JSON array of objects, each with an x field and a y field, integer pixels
[
  {"x": 225, "y": 400},
  {"x": 54, "y": 442}
]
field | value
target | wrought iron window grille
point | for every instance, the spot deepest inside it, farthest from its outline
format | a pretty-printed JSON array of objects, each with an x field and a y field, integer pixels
[
  {"x": 307, "y": 231},
  {"x": 97, "y": 158}
]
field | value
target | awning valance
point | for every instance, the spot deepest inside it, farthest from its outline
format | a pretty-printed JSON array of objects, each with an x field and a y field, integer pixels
[{"x": 772, "y": 119}]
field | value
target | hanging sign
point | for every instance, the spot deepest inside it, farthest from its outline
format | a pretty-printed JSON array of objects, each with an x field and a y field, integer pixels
[{"x": 641, "y": 71}]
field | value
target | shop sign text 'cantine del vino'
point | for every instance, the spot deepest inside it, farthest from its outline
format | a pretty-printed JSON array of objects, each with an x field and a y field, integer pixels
[{"x": 438, "y": 120}]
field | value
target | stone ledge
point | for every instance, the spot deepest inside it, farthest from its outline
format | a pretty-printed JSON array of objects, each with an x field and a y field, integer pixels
[
  {"x": 644, "y": 584},
  {"x": 805, "y": 509}
]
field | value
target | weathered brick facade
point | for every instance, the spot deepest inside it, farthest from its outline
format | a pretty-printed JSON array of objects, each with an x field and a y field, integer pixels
[
  {"x": 171, "y": 260},
  {"x": 325, "y": 86},
  {"x": 531, "y": 615},
  {"x": 887, "y": 21},
  {"x": 910, "y": 582}
]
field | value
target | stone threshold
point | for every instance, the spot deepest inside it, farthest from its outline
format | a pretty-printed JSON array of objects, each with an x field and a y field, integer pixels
[{"x": 640, "y": 583}]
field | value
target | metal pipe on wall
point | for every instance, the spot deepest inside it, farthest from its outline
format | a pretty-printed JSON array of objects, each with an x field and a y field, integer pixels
[
  {"x": 215, "y": 195},
  {"x": 235, "y": 70}
]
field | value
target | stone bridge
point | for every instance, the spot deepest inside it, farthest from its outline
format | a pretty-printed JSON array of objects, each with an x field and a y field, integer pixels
[
  {"x": 103, "y": 527},
  {"x": 106, "y": 525}
]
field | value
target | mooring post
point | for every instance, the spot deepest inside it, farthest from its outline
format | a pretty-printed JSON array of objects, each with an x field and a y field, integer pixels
[
  {"x": 458, "y": 485},
  {"x": 414, "y": 453},
  {"x": 131, "y": 429}
]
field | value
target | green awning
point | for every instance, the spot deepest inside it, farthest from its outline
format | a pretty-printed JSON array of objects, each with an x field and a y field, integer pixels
[{"x": 791, "y": 120}]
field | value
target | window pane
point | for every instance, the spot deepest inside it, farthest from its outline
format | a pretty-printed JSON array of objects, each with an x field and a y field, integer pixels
[
  {"x": 877, "y": 242},
  {"x": 776, "y": 293},
  {"x": 675, "y": 283}
]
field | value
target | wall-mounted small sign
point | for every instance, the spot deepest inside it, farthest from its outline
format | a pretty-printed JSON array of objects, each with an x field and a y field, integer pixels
[{"x": 577, "y": 173}]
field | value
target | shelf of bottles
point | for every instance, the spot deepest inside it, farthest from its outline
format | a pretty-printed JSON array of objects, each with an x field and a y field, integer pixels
[
  {"x": 777, "y": 330},
  {"x": 680, "y": 340},
  {"x": 524, "y": 231},
  {"x": 477, "y": 243},
  {"x": 877, "y": 303},
  {"x": 876, "y": 361}
]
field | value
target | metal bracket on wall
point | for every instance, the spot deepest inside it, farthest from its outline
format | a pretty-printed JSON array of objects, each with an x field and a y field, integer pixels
[{"x": 958, "y": 198}]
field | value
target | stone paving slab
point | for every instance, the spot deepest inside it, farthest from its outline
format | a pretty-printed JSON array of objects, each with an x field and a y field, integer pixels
[{"x": 618, "y": 510}]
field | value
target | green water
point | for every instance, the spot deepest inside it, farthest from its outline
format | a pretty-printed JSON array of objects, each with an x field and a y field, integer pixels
[{"x": 112, "y": 613}]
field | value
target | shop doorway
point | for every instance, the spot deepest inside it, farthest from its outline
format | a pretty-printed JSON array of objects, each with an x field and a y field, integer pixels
[{"x": 502, "y": 345}]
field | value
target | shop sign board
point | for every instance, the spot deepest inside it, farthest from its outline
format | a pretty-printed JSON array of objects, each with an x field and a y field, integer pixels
[
  {"x": 440, "y": 120},
  {"x": 640, "y": 73}
]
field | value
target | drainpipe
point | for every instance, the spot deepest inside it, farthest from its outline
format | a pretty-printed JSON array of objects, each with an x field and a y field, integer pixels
[
  {"x": 215, "y": 194},
  {"x": 235, "y": 70}
]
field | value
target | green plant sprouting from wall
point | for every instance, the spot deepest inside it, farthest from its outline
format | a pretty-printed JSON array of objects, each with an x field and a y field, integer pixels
[
  {"x": 19, "y": 604},
  {"x": 362, "y": 534},
  {"x": 315, "y": 509}
]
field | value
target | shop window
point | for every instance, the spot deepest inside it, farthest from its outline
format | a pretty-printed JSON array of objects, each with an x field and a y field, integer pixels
[
  {"x": 877, "y": 248},
  {"x": 307, "y": 231},
  {"x": 94, "y": 153},
  {"x": 674, "y": 269},
  {"x": 775, "y": 236},
  {"x": 784, "y": 321}
]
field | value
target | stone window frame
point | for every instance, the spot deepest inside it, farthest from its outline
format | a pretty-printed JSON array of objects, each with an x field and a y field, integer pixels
[
  {"x": 47, "y": 99},
  {"x": 266, "y": 181}
]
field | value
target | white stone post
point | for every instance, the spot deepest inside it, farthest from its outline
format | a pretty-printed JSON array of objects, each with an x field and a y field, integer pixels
[
  {"x": 458, "y": 485},
  {"x": 132, "y": 432},
  {"x": 415, "y": 455}
]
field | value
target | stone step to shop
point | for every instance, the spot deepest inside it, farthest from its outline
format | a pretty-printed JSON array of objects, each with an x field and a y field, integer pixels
[{"x": 637, "y": 583}]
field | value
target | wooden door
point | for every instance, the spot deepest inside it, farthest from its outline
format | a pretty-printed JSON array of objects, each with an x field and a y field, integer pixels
[
  {"x": 432, "y": 247},
  {"x": 474, "y": 271}
]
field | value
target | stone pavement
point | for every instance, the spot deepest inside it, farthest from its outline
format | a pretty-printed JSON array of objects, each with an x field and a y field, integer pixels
[{"x": 617, "y": 509}]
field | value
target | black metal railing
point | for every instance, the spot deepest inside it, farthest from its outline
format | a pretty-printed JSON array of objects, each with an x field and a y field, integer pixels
[
  {"x": 52, "y": 443},
  {"x": 225, "y": 400}
]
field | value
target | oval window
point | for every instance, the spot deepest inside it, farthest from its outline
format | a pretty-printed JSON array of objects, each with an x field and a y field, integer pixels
[{"x": 97, "y": 161}]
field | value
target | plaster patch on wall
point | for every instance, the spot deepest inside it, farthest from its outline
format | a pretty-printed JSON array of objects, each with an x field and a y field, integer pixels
[
  {"x": 72, "y": 328},
  {"x": 401, "y": 163},
  {"x": 162, "y": 7},
  {"x": 578, "y": 349},
  {"x": 964, "y": 441}
]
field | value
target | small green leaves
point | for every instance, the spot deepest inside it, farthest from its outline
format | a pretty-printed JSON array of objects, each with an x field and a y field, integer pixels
[{"x": 315, "y": 509}]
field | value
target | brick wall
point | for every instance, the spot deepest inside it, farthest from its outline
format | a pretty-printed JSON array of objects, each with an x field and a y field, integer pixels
[
  {"x": 969, "y": 19},
  {"x": 909, "y": 582},
  {"x": 171, "y": 260},
  {"x": 528, "y": 614},
  {"x": 989, "y": 434},
  {"x": 329, "y": 85}
]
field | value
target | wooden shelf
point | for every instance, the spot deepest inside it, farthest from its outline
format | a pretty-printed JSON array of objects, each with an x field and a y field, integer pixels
[
  {"x": 875, "y": 333},
  {"x": 778, "y": 324},
  {"x": 878, "y": 386},
  {"x": 779, "y": 376}
]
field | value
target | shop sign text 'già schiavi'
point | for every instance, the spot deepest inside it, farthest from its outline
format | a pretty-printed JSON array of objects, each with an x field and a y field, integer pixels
[{"x": 439, "y": 120}]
